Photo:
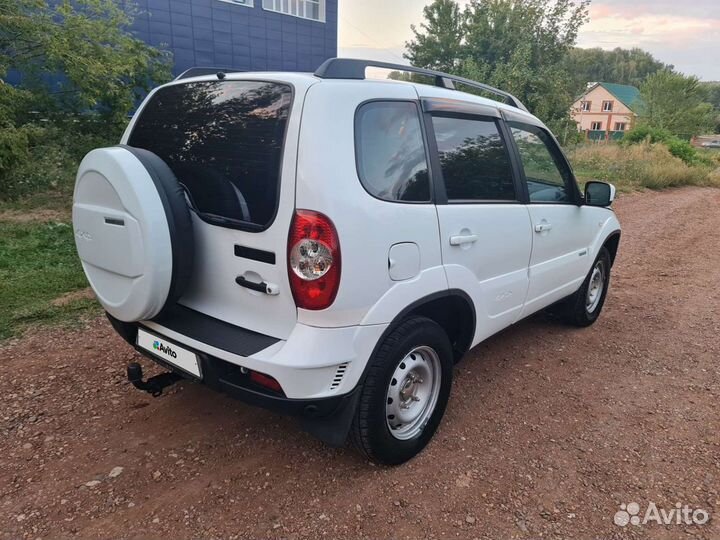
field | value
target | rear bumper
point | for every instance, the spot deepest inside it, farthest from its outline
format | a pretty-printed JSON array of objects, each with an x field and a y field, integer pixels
[
  {"x": 306, "y": 366},
  {"x": 312, "y": 363}
]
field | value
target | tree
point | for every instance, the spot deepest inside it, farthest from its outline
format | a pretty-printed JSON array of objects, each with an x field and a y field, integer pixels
[
  {"x": 622, "y": 66},
  {"x": 438, "y": 45},
  {"x": 676, "y": 103},
  {"x": 516, "y": 45},
  {"x": 78, "y": 56}
]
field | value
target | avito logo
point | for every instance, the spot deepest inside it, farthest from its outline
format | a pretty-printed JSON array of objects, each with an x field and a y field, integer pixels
[{"x": 158, "y": 346}]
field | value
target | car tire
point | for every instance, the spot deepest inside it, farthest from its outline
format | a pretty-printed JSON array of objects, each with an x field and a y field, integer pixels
[
  {"x": 584, "y": 307},
  {"x": 405, "y": 392}
]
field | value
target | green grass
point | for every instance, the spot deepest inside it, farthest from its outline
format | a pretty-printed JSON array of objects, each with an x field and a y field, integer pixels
[
  {"x": 38, "y": 264},
  {"x": 641, "y": 166}
]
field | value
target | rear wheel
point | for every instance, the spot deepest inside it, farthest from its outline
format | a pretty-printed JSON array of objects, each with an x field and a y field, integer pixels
[
  {"x": 405, "y": 393},
  {"x": 584, "y": 307}
]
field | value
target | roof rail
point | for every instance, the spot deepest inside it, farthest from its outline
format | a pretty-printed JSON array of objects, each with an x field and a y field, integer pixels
[
  {"x": 202, "y": 71},
  {"x": 351, "y": 68}
]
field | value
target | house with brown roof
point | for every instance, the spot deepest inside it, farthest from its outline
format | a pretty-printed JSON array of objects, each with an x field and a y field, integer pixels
[{"x": 606, "y": 110}]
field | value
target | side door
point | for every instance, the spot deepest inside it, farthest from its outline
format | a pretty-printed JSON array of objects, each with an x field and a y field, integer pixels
[
  {"x": 484, "y": 225},
  {"x": 562, "y": 231}
]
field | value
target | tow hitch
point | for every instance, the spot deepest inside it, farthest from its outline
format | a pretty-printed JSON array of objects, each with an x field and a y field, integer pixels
[{"x": 154, "y": 385}]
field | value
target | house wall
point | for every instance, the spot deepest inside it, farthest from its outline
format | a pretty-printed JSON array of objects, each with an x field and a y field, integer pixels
[
  {"x": 597, "y": 96},
  {"x": 227, "y": 34}
]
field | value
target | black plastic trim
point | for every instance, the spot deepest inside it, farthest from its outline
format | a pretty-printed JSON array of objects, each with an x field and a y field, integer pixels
[
  {"x": 254, "y": 254},
  {"x": 177, "y": 216},
  {"x": 213, "y": 332},
  {"x": 400, "y": 317}
]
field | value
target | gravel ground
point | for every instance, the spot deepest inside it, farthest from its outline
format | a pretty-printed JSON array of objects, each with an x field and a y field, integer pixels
[{"x": 549, "y": 429}]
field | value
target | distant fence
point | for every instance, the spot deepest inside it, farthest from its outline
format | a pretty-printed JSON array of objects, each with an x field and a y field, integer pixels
[{"x": 601, "y": 136}]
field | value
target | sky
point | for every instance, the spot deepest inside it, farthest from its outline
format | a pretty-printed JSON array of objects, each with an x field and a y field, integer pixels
[{"x": 685, "y": 33}]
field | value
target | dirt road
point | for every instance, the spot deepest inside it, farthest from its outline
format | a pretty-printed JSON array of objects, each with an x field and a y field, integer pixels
[{"x": 549, "y": 429}]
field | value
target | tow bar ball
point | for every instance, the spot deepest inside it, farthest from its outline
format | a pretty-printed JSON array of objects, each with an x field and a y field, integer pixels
[{"x": 154, "y": 385}]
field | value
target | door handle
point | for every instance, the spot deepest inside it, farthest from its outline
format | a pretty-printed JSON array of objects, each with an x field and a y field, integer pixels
[
  {"x": 543, "y": 227},
  {"x": 267, "y": 288},
  {"x": 462, "y": 240}
]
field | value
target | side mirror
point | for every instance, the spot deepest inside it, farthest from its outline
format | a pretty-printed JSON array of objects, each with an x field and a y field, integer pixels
[{"x": 599, "y": 194}]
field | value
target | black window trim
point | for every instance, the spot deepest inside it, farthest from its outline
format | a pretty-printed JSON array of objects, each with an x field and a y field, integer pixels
[
  {"x": 469, "y": 111},
  {"x": 423, "y": 132},
  {"x": 556, "y": 152},
  {"x": 220, "y": 221}
]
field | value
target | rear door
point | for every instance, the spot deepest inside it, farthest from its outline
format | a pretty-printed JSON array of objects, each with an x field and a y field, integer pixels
[
  {"x": 484, "y": 226},
  {"x": 562, "y": 231},
  {"x": 232, "y": 144}
]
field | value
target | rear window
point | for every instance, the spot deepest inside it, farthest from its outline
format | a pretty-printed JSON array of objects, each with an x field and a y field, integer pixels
[{"x": 224, "y": 142}]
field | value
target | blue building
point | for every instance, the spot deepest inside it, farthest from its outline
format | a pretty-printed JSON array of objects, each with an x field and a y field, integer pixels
[{"x": 247, "y": 35}]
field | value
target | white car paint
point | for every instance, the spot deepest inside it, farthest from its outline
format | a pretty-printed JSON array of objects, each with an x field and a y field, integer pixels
[{"x": 492, "y": 252}]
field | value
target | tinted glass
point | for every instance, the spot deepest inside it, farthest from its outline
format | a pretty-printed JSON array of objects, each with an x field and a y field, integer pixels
[
  {"x": 223, "y": 140},
  {"x": 474, "y": 160},
  {"x": 391, "y": 152},
  {"x": 548, "y": 177}
]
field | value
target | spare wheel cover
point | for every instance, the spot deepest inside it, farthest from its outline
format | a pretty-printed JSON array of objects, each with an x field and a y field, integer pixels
[{"x": 133, "y": 231}]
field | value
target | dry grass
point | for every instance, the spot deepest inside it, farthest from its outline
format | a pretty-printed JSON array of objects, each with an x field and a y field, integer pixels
[{"x": 639, "y": 166}]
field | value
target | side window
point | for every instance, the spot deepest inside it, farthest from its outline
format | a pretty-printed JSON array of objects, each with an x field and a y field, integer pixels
[
  {"x": 474, "y": 159},
  {"x": 548, "y": 177},
  {"x": 391, "y": 158}
]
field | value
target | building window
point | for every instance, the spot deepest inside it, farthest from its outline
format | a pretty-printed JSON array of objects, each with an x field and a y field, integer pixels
[
  {"x": 247, "y": 3},
  {"x": 305, "y": 9},
  {"x": 586, "y": 106},
  {"x": 620, "y": 126},
  {"x": 607, "y": 106},
  {"x": 596, "y": 126}
]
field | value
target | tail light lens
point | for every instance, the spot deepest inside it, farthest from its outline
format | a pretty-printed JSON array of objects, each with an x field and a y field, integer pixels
[{"x": 313, "y": 260}]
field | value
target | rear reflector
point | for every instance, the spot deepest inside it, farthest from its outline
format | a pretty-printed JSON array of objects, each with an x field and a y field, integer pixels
[{"x": 266, "y": 381}]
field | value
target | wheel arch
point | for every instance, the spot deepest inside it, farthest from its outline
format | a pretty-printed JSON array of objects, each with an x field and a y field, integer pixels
[
  {"x": 612, "y": 243},
  {"x": 452, "y": 309}
]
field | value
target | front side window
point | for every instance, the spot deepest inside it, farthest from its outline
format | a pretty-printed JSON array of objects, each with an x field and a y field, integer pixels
[
  {"x": 607, "y": 106},
  {"x": 620, "y": 126},
  {"x": 474, "y": 159},
  {"x": 548, "y": 177},
  {"x": 305, "y": 9},
  {"x": 596, "y": 126},
  {"x": 390, "y": 148},
  {"x": 224, "y": 142},
  {"x": 586, "y": 106}
]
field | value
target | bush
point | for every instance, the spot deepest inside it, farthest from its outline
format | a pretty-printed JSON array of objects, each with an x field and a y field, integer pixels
[
  {"x": 641, "y": 134},
  {"x": 679, "y": 148},
  {"x": 42, "y": 159}
]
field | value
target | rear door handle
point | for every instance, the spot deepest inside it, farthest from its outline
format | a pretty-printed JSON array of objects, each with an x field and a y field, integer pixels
[
  {"x": 462, "y": 240},
  {"x": 267, "y": 288},
  {"x": 542, "y": 227}
]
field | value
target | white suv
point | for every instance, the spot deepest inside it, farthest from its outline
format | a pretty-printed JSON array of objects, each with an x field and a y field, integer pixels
[{"x": 328, "y": 246}]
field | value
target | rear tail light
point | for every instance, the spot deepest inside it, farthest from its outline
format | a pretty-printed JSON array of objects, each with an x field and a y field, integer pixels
[{"x": 313, "y": 260}]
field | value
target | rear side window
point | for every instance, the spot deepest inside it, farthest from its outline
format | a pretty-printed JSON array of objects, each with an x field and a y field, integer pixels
[
  {"x": 474, "y": 159},
  {"x": 224, "y": 142},
  {"x": 390, "y": 148}
]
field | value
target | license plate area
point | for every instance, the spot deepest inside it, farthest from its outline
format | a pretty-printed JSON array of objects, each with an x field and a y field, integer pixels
[{"x": 169, "y": 352}]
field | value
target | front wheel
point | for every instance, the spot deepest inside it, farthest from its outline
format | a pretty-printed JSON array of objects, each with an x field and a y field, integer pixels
[
  {"x": 585, "y": 306},
  {"x": 405, "y": 392}
]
